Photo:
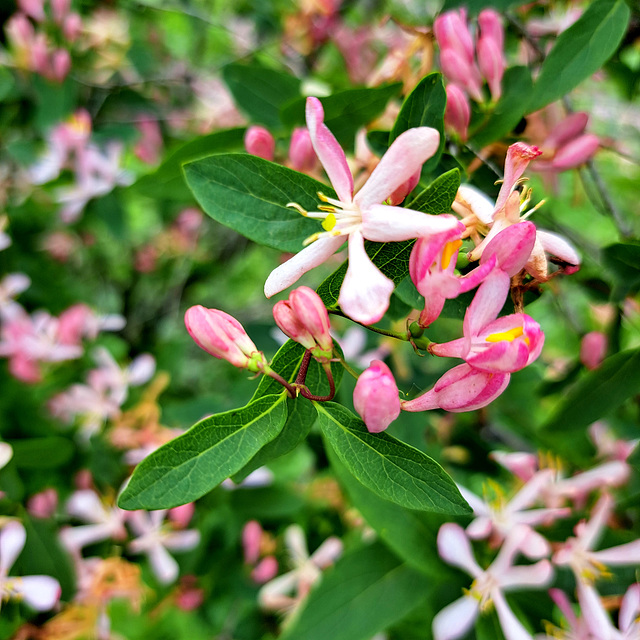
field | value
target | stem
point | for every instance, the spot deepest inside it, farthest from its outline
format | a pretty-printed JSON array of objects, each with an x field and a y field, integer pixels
[
  {"x": 304, "y": 368},
  {"x": 344, "y": 363},
  {"x": 291, "y": 389},
  {"x": 305, "y": 393},
  {"x": 383, "y": 332}
]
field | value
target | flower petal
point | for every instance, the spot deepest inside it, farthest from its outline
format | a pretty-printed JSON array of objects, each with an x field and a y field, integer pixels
[
  {"x": 289, "y": 272},
  {"x": 39, "y": 592},
  {"x": 164, "y": 566},
  {"x": 558, "y": 246},
  {"x": 365, "y": 292},
  {"x": 12, "y": 538},
  {"x": 511, "y": 626},
  {"x": 403, "y": 159},
  {"x": 487, "y": 303},
  {"x": 384, "y": 223},
  {"x": 456, "y": 618},
  {"x": 455, "y": 549}
]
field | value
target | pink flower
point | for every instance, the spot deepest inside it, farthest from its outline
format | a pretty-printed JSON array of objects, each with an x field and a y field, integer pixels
[
  {"x": 149, "y": 146},
  {"x": 258, "y": 141},
  {"x": 265, "y": 570},
  {"x": 488, "y": 585},
  {"x": 376, "y": 398},
  {"x": 43, "y": 504},
  {"x": 492, "y": 344},
  {"x": 593, "y": 349},
  {"x": 39, "y": 592},
  {"x": 251, "y": 541},
  {"x": 365, "y": 292},
  {"x": 222, "y": 336},
  {"x": 462, "y": 388}
]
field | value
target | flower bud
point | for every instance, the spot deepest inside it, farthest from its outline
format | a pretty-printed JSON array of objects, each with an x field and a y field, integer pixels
[
  {"x": 491, "y": 27},
  {"x": 60, "y": 64},
  {"x": 251, "y": 541},
  {"x": 593, "y": 349},
  {"x": 181, "y": 516},
  {"x": 222, "y": 336},
  {"x": 576, "y": 152},
  {"x": 566, "y": 130},
  {"x": 462, "y": 72},
  {"x": 265, "y": 570},
  {"x": 376, "y": 398},
  {"x": 60, "y": 10},
  {"x": 33, "y": 8},
  {"x": 43, "y": 504},
  {"x": 458, "y": 112},
  {"x": 72, "y": 27},
  {"x": 301, "y": 154},
  {"x": 451, "y": 32},
  {"x": 259, "y": 142},
  {"x": 492, "y": 65}
]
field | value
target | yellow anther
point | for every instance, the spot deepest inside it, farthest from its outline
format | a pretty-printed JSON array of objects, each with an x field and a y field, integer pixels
[
  {"x": 449, "y": 251},
  {"x": 329, "y": 222},
  {"x": 298, "y": 208},
  {"x": 509, "y": 336},
  {"x": 327, "y": 208}
]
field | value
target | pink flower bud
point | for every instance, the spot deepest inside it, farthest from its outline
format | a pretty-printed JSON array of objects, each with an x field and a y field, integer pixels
[
  {"x": 376, "y": 398},
  {"x": 404, "y": 189},
  {"x": 593, "y": 349},
  {"x": 462, "y": 72},
  {"x": 458, "y": 112},
  {"x": 72, "y": 27},
  {"x": 291, "y": 325},
  {"x": 301, "y": 154},
  {"x": 33, "y": 8},
  {"x": 60, "y": 10},
  {"x": 491, "y": 27},
  {"x": 222, "y": 336},
  {"x": 492, "y": 65},
  {"x": 181, "y": 516},
  {"x": 43, "y": 504},
  {"x": 259, "y": 142},
  {"x": 20, "y": 31},
  {"x": 189, "y": 596},
  {"x": 40, "y": 55},
  {"x": 566, "y": 130},
  {"x": 576, "y": 152},
  {"x": 451, "y": 32},
  {"x": 60, "y": 64},
  {"x": 72, "y": 323},
  {"x": 512, "y": 247},
  {"x": 251, "y": 539},
  {"x": 266, "y": 570},
  {"x": 462, "y": 388}
]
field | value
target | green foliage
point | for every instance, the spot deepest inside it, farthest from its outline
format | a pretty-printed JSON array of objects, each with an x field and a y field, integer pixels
[{"x": 622, "y": 260}]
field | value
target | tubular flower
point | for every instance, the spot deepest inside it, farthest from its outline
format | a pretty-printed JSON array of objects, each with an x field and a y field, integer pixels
[
  {"x": 492, "y": 344},
  {"x": 432, "y": 267},
  {"x": 365, "y": 292},
  {"x": 376, "y": 398}
]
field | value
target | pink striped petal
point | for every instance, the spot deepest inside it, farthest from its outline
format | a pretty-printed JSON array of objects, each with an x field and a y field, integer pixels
[
  {"x": 623, "y": 554},
  {"x": 329, "y": 151},
  {"x": 511, "y": 247},
  {"x": 559, "y": 247},
  {"x": 403, "y": 159},
  {"x": 312, "y": 256}
]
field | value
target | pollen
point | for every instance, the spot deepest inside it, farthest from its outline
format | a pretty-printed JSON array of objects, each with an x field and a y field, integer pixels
[
  {"x": 509, "y": 336},
  {"x": 449, "y": 251},
  {"x": 329, "y": 222}
]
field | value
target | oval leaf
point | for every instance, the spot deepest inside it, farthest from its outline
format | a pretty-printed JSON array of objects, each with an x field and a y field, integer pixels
[
  {"x": 388, "y": 467},
  {"x": 215, "y": 448}
]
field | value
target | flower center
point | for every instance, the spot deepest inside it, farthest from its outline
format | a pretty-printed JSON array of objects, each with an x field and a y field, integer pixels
[
  {"x": 449, "y": 251},
  {"x": 509, "y": 335}
]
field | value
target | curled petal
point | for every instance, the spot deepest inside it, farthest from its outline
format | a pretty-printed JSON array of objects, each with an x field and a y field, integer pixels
[
  {"x": 559, "y": 247},
  {"x": 312, "y": 256},
  {"x": 519, "y": 155},
  {"x": 471, "y": 201},
  {"x": 403, "y": 159},
  {"x": 511, "y": 247},
  {"x": 365, "y": 292}
]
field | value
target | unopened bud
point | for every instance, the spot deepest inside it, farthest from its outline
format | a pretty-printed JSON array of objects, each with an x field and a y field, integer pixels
[
  {"x": 222, "y": 336},
  {"x": 72, "y": 27},
  {"x": 566, "y": 130},
  {"x": 265, "y": 570},
  {"x": 301, "y": 154},
  {"x": 576, "y": 152},
  {"x": 462, "y": 72},
  {"x": 593, "y": 349},
  {"x": 376, "y": 397},
  {"x": 60, "y": 10},
  {"x": 259, "y": 142},
  {"x": 451, "y": 32},
  {"x": 491, "y": 27},
  {"x": 492, "y": 65},
  {"x": 60, "y": 64},
  {"x": 33, "y": 8},
  {"x": 251, "y": 541},
  {"x": 458, "y": 112}
]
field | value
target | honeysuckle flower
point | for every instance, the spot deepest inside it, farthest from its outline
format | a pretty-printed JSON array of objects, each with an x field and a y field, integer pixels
[
  {"x": 155, "y": 538},
  {"x": 432, "y": 268},
  {"x": 6, "y": 453},
  {"x": 376, "y": 398},
  {"x": 12, "y": 285},
  {"x": 149, "y": 146},
  {"x": 497, "y": 518},
  {"x": 490, "y": 50},
  {"x": 577, "y": 627},
  {"x": 598, "y": 620},
  {"x": 462, "y": 388},
  {"x": 39, "y": 592},
  {"x": 492, "y": 344},
  {"x": 43, "y": 504},
  {"x": 593, "y": 349},
  {"x": 365, "y": 292},
  {"x": 222, "y": 336},
  {"x": 607, "y": 445},
  {"x": 577, "y": 552},
  {"x": 287, "y": 592},
  {"x": 304, "y": 318},
  {"x": 488, "y": 585}
]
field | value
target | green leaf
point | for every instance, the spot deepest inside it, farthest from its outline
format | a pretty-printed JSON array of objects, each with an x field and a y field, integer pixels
[
  {"x": 366, "y": 592},
  {"x": 261, "y": 92},
  {"x": 408, "y": 533},
  {"x": 212, "y": 450},
  {"x": 424, "y": 107},
  {"x": 598, "y": 393},
  {"x": 581, "y": 50},
  {"x": 512, "y": 106},
  {"x": 475, "y": 6},
  {"x": 6, "y": 83},
  {"x": 390, "y": 468},
  {"x": 167, "y": 181},
  {"x": 346, "y": 111},
  {"x": 42, "y": 453},
  {"x": 392, "y": 258},
  {"x": 622, "y": 260},
  {"x": 250, "y": 195}
]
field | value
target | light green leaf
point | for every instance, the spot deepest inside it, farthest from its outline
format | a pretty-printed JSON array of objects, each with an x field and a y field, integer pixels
[
  {"x": 367, "y": 591},
  {"x": 212, "y": 450},
  {"x": 390, "y": 468},
  {"x": 250, "y": 195},
  {"x": 581, "y": 50},
  {"x": 424, "y": 107},
  {"x": 260, "y": 92}
]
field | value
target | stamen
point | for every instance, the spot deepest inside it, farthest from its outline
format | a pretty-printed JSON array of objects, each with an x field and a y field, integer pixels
[
  {"x": 298, "y": 208},
  {"x": 329, "y": 222},
  {"x": 449, "y": 251}
]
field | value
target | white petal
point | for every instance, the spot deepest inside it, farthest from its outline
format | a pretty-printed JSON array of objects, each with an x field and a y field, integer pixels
[
  {"x": 296, "y": 544},
  {"x": 474, "y": 201},
  {"x": 511, "y": 626},
  {"x": 6, "y": 453},
  {"x": 593, "y": 611},
  {"x": 455, "y": 549},
  {"x": 455, "y": 619},
  {"x": 327, "y": 553},
  {"x": 403, "y": 159},
  {"x": 141, "y": 369},
  {"x": 12, "y": 538},
  {"x": 163, "y": 565},
  {"x": 623, "y": 554},
  {"x": 366, "y": 291},
  {"x": 75, "y": 538},
  {"x": 527, "y": 575},
  {"x": 182, "y": 540},
  {"x": 630, "y": 607},
  {"x": 383, "y": 223},
  {"x": 39, "y": 592},
  {"x": 558, "y": 246},
  {"x": 86, "y": 505},
  {"x": 312, "y": 256}
]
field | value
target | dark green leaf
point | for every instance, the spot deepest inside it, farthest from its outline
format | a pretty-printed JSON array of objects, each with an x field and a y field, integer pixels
[
  {"x": 167, "y": 181},
  {"x": 367, "y": 591},
  {"x": 346, "y": 111},
  {"x": 6, "y": 83},
  {"x": 439, "y": 195},
  {"x": 622, "y": 260},
  {"x": 260, "y": 92},
  {"x": 250, "y": 195},
  {"x": 581, "y": 50},
  {"x": 41, "y": 453},
  {"x": 513, "y": 105},
  {"x": 424, "y": 107},
  {"x": 212, "y": 450},
  {"x": 390, "y": 468},
  {"x": 598, "y": 393},
  {"x": 475, "y": 6}
]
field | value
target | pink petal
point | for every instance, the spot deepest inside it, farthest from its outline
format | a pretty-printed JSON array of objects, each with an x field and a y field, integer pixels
[
  {"x": 531, "y": 491},
  {"x": 383, "y": 223},
  {"x": 455, "y": 619},
  {"x": 12, "y": 538},
  {"x": 455, "y": 549},
  {"x": 312, "y": 256},
  {"x": 403, "y": 159},
  {"x": 593, "y": 611},
  {"x": 532, "y": 575},
  {"x": 365, "y": 292},
  {"x": 39, "y": 592},
  {"x": 480, "y": 528},
  {"x": 164, "y": 566},
  {"x": 479, "y": 506},
  {"x": 327, "y": 553},
  {"x": 511, "y": 247},
  {"x": 487, "y": 303},
  {"x": 630, "y": 607},
  {"x": 511, "y": 626},
  {"x": 329, "y": 152},
  {"x": 622, "y": 554}
]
